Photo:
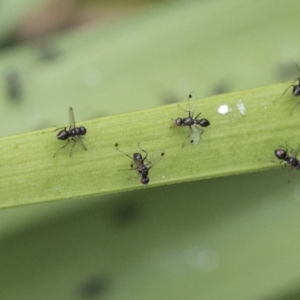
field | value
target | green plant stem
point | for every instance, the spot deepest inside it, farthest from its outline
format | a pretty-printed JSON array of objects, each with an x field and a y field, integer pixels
[{"x": 233, "y": 144}]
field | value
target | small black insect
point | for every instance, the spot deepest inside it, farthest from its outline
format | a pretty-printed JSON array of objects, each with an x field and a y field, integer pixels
[
  {"x": 141, "y": 164},
  {"x": 289, "y": 157},
  {"x": 71, "y": 133},
  {"x": 192, "y": 122},
  {"x": 296, "y": 89}
]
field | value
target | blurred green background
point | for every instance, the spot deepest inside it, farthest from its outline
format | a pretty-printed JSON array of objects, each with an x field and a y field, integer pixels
[{"x": 228, "y": 238}]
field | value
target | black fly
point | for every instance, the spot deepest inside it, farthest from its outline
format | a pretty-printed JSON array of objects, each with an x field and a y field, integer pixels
[
  {"x": 289, "y": 157},
  {"x": 192, "y": 122},
  {"x": 141, "y": 164},
  {"x": 71, "y": 133},
  {"x": 296, "y": 89}
]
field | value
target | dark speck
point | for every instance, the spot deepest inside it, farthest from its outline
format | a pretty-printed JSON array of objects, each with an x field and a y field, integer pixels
[
  {"x": 13, "y": 84},
  {"x": 287, "y": 71},
  {"x": 220, "y": 88},
  {"x": 171, "y": 98},
  {"x": 126, "y": 214},
  {"x": 47, "y": 51},
  {"x": 93, "y": 288}
]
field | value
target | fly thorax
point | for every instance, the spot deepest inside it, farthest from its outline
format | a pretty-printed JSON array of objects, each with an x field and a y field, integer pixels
[
  {"x": 144, "y": 170},
  {"x": 138, "y": 158},
  {"x": 63, "y": 135},
  {"x": 76, "y": 131},
  {"x": 188, "y": 121},
  {"x": 293, "y": 161}
]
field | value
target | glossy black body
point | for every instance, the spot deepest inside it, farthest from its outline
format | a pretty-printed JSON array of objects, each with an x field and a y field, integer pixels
[
  {"x": 296, "y": 90},
  {"x": 192, "y": 122},
  {"x": 291, "y": 160},
  {"x": 140, "y": 164},
  {"x": 296, "y": 87},
  {"x": 71, "y": 133},
  {"x": 141, "y": 167}
]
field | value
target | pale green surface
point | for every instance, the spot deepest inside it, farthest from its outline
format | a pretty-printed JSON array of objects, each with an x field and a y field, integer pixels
[
  {"x": 12, "y": 11},
  {"x": 213, "y": 239},
  {"x": 234, "y": 143},
  {"x": 142, "y": 61},
  {"x": 250, "y": 221}
]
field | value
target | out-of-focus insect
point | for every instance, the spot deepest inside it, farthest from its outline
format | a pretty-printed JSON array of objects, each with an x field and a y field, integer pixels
[
  {"x": 141, "y": 164},
  {"x": 72, "y": 133},
  {"x": 192, "y": 122},
  {"x": 14, "y": 85}
]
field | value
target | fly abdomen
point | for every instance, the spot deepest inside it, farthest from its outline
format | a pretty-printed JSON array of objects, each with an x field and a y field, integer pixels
[
  {"x": 78, "y": 131},
  {"x": 63, "y": 135},
  {"x": 293, "y": 161},
  {"x": 75, "y": 132},
  {"x": 188, "y": 121},
  {"x": 202, "y": 122},
  {"x": 143, "y": 171}
]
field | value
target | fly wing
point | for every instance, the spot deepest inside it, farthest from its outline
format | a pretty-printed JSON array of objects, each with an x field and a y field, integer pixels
[
  {"x": 80, "y": 142},
  {"x": 192, "y": 105},
  {"x": 71, "y": 117},
  {"x": 155, "y": 157},
  {"x": 195, "y": 134},
  {"x": 133, "y": 163},
  {"x": 295, "y": 151}
]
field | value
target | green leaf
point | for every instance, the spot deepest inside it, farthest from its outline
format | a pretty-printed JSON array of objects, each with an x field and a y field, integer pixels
[
  {"x": 248, "y": 224},
  {"x": 234, "y": 143},
  {"x": 118, "y": 69}
]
